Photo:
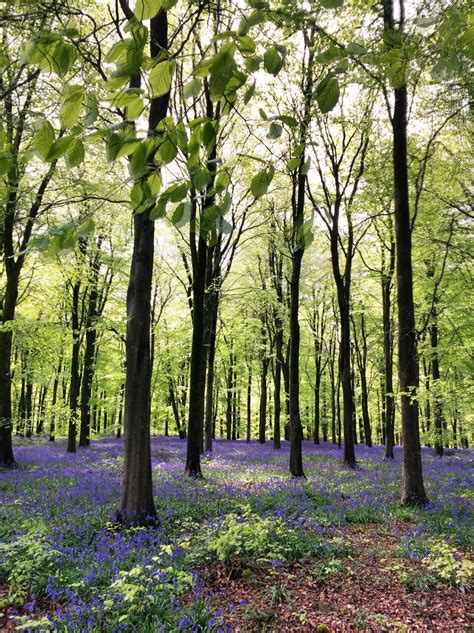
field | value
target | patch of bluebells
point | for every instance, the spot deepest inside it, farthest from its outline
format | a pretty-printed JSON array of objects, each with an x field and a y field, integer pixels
[{"x": 69, "y": 499}]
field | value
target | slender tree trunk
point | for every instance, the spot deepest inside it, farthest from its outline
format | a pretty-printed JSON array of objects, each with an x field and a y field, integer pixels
[
  {"x": 52, "y": 428},
  {"x": 413, "y": 490},
  {"x": 249, "y": 404},
  {"x": 296, "y": 430},
  {"x": 389, "y": 404},
  {"x": 346, "y": 383},
  {"x": 210, "y": 374},
  {"x": 435, "y": 374},
  {"x": 6, "y": 341},
  {"x": 196, "y": 391},
  {"x": 338, "y": 401},
  {"x": 90, "y": 350},
  {"x": 74, "y": 383},
  {"x": 277, "y": 391},
  {"x": 137, "y": 505},
  {"x": 262, "y": 417}
]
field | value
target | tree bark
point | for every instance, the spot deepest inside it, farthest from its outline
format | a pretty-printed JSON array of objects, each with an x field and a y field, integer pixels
[
  {"x": 249, "y": 404},
  {"x": 74, "y": 383},
  {"x": 435, "y": 374},
  {"x": 413, "y": 490},
  {"x": 137, "y": 505},
  {"x": 262, "y": 414}
]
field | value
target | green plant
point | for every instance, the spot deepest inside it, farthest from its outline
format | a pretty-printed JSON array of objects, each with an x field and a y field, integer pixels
[
  {"x": 25, "y": 566},
  {"x": 200, "y": 617},
  {"x": 447, "y": 565},
  {"x": 276, "y": 594},
  {"x": 328, "y": 568},
  {"x": 249, "y": 537},
  {"x": 147, "y": 590},
  {"x": 361, "y": 620}
]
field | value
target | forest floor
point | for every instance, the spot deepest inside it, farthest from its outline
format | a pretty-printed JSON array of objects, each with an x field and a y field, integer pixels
[{"x": 245, "y": 549}]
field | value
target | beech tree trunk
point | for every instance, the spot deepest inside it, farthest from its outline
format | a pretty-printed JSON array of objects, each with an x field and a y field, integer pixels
[
  {"x": 262, "y": 415},
  {"x": 249, "y": 404},
  {"x": 137, "y": 505},
  {"x": 413, "y": 490},
  {"x": 74, "y": 383},
  {"x": 196, "y": 384},
  {"x": 389, "y": 408},
  {"x": 435, "y": 374}
]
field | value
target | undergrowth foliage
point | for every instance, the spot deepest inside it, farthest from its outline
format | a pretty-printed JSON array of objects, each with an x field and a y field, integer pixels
[{"x": 68, "y": 568}]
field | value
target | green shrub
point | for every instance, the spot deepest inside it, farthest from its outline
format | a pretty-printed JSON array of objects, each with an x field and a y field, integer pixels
[
  {"x": 25, "y": 566},
  {"x": 147, "y": 591},
  {"x": 249, "y": 537},
  {"x": 446, "y": 564}
]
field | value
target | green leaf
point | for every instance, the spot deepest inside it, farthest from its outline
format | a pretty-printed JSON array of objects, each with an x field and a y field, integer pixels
[
  {"x": 75, "y": 154},
  {"x": 136, "y": 195},
  {"x": 252, "y": 64},
  {"x": 222, "y": 182},
  {"x": 181, "y": 214},
  {"x": 147, "y": 9},
  {"x": 331, "y": 4},
  {"x": 118, "y": 51},
  {"x": 59, "y": 148},
  {"x": 222, "y": 69},
  {"x": 246, "y": 44},
  {"x": 44, "y": 138},
  {"x": 209, "y": 217},
  {"x": 167, "y": 151},
  {"x": 275, "y": 131},
  {"x": 160, "y": 78},
  {"x": 201, "y": 178},
  {"x": 71, "y": 107},
  {"x": 293, "y": 164},
  {"x": 356, "y": 49},
  {"x": 272, "y": 60},
  {"x": 154, "y": 183},
  {"x": 299, "y": 149},
  {"x": 306, "y": 167},
  {"x": 332, "y": 54},
  {"x": 64, "y": 57},
  {"x": 327, "y": 93},
  {"x": 92, "y": 109},
  {"x": 261, "y": 182},
  {"x": 426, "y": 22},
  {"x": 137, "y": 165},
  {"x": 288, "y": 120},
  {"x": 250, "y": 20},
  {"x": 225, "y": 203},
  {"x": 192, "y": 89},
  {"x": 176, "y": 192},
  {"x": 86, "y": 228},
  {"x": 248, "y": 94},
  {"x": 396, "y": 66}
]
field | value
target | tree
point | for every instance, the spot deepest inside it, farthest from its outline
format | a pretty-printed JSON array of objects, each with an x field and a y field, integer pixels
[{"x": 413, "y": 492}]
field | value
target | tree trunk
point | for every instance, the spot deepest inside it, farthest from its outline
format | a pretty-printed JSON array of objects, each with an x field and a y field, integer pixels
[
  {"x": 389, "y": 404},
  {"x": 413, "y": 491},
  {"x": 210, "y": 372},
  {"x": 346, "y": 383},
  {"x": 74, "y": 383},
  {"x": 90, "y": 350},
  {"x": 6, "y": 341},
  {"x": 435, "y": 374},
  {"x": 249, "y": 404},
  {"x": 137, "y": 505},
  {"x": 196, "y": 390},
  {"x": 262, "y": 415},
  {"x": 277, "y": 390}
]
